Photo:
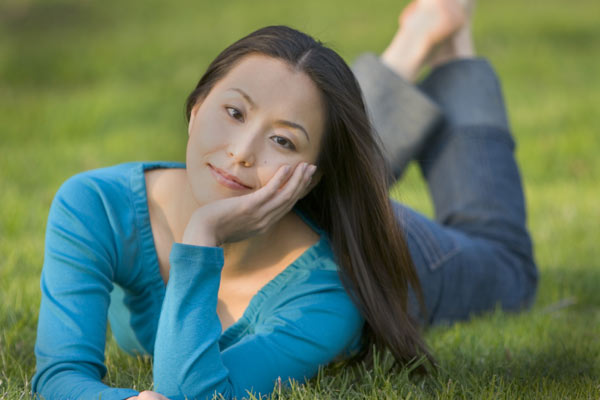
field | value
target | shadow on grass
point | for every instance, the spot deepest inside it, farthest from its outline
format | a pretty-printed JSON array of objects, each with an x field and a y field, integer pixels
[
  {"x": 580, "y": 284},
  {"x": 561, "y": 359}
]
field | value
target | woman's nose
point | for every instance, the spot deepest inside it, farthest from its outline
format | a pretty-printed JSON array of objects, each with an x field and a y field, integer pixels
[{"x": 243, "y": 150}]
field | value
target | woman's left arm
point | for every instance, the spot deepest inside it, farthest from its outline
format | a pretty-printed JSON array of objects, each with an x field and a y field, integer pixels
[{"x": 313, "y": 322}]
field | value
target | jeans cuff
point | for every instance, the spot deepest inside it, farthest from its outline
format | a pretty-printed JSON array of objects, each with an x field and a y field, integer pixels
[
  {"x": 401, "y": 114},
  {"x": 469, "y": 92}
]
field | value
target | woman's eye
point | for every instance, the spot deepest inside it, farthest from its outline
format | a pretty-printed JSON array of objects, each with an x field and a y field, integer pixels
[
  {"x": 283, "y": 142},
  {"x": 235, "y": 113}
]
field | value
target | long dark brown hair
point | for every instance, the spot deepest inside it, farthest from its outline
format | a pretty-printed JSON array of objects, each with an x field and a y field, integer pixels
[{"x": 350, "y": 202}]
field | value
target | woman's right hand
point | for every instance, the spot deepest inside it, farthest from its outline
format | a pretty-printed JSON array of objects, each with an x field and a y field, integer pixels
[
  {"x": 148, "y": 395},
  {"x": 237, "y": 218}
]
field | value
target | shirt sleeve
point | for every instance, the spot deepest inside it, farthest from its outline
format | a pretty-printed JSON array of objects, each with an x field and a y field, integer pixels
[
  {"x": 76, "y": 282},
  {"x": 312, "y": 324}
]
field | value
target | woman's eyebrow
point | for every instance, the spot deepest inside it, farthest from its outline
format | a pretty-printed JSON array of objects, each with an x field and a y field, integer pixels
[
  {"x": 293, "y": 125},
  {"x": 245, "y": 96},
  {"x": 290, "y": 124}
]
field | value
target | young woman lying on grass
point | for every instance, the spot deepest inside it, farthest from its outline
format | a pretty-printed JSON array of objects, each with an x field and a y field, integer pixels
[{"x": 275, "y": 249}]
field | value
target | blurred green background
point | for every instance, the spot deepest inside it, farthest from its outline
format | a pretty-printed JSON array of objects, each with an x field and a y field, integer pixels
[{"x": 88, "y": 84}]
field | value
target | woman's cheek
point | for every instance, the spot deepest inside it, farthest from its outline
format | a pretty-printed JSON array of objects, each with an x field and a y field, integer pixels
[
  {"x": 269, "y": 167},
  {"x": 265, "y": 173}
]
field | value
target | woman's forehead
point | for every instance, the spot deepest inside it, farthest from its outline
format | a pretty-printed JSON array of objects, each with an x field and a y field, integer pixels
[
  {"x": 271, "y": 83},
  {"x": 265, "y": 78}
]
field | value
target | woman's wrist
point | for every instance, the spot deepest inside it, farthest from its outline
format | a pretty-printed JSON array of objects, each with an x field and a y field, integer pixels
[
  {"x": 200, "y": 232},
  {"x": 200, "y": 238}
]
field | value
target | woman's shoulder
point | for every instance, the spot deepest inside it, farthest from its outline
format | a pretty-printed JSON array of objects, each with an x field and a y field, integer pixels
[
  {"x": 112, "y": 183},
  {"x": 100, "y": 179},
  {"x": 103, "y": 200},
  {"x": 106, "y": 178},
  {"x": 309, "y": 301},
  {"x": 103, "y": 211}
]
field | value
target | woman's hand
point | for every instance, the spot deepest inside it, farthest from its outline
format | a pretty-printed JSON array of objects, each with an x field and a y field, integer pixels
[
  {"x": 237, "y": 218},
  {"x": 148, "y": 395}
]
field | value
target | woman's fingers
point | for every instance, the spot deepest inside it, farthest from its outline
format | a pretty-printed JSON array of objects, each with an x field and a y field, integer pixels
[
  {"x": 149, "y": 395},
  {"x": 265, "y": 193},
  {"x": 238, "y": 217},
  {"x": 278, "y": 190},
  {"x": 310, "y": 171},
  {"x": 284, "y": 199},
  {"x": 296, "y": 185}
]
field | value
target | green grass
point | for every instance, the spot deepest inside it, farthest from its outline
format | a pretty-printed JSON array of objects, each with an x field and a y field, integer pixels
[{"x": 88, "y": 84}]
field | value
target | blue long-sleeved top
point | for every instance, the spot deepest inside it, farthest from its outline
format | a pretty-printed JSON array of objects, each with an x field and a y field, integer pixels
[{"x": 100, "y": 265}]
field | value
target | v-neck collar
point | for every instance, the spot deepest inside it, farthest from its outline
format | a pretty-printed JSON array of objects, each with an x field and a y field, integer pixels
[{"x": 150, "y": 257}]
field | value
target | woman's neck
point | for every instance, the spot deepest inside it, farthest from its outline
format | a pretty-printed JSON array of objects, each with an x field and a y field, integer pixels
[{"x": 242, "y": 257}]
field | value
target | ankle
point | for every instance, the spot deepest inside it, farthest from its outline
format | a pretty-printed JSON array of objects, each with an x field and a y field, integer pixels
[
  {"x": 460, "y": 45},
  {"x": 406, "y": 54}
]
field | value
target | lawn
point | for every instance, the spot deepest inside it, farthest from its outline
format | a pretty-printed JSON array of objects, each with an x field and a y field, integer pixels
[{"x": 89, "y": 84}]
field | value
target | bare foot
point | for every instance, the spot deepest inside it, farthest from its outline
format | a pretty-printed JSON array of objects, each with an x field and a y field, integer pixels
[
  {"x": 436, "y": 20},
  {"x": 425, "y": 35},
  {"x": 458, "y": 45}
]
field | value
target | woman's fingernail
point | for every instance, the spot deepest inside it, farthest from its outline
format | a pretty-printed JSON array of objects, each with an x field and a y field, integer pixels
[
  {"x": 312, "y": 169},
  {"x": 286, "y": 169}
]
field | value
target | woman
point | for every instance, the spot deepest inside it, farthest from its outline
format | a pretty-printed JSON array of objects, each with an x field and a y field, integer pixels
[{"x": 225, "y": 269}]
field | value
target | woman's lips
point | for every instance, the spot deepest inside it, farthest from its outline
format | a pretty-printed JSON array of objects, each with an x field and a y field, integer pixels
[{"x": 226, "y": 179}]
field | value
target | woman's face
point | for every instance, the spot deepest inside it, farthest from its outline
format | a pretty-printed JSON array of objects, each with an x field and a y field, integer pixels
[{"x": 260, "y": 116}]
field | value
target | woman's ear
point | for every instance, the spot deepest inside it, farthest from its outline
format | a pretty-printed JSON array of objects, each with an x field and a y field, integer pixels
[{"x": 193, "y": 113}]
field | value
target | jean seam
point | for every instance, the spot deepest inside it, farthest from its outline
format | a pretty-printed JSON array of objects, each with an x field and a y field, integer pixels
[
  {"x": 435, "y": 266},
  {"x": 434, "y": 255}
]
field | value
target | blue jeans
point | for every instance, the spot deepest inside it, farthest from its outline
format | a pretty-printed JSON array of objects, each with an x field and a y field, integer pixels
[{"x": 477, "y": 253}]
